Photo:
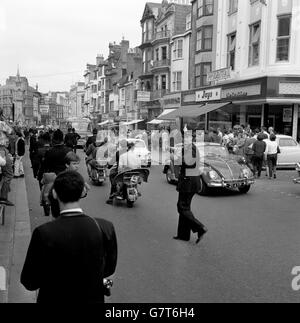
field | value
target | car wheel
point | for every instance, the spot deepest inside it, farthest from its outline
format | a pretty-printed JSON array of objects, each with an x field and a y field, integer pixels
[
  {"x": 245, "y": 189},
  {"x": 203, "y": 187}
]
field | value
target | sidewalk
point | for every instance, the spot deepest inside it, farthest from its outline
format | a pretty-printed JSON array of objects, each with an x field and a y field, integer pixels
[{"x": 14, "y": 240}]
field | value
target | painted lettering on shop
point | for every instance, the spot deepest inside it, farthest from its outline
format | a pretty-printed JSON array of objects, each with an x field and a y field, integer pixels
[{"x": 236, "y": 95}]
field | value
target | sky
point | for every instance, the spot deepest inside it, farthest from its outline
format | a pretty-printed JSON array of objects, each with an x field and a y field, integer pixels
[{"x": 52, "y": 40}]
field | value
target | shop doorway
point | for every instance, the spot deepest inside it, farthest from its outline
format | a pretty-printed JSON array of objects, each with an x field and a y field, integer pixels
[
  {"x": 272, "y": 122},
  {"x": 254, "y": 121}
]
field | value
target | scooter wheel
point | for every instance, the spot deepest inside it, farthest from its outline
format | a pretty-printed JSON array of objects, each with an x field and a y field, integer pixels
[{"x": 130, "y": 204}]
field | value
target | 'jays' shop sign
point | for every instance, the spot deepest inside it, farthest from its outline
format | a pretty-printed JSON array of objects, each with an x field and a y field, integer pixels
[{"x": 208, "y": 95}]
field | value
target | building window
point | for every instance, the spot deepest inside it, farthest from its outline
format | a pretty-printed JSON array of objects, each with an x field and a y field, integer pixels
[
  {"x": 231, "y": 51},
  {"x": 188, "y": 22},
  {"x": 157, "y": 54},
  {"x": 201, "y": 74},
  {"x": 205, "y": 8},
  {"x": 178, "y": 45},
  {"x": 233, "y": 6},
  {"x": 283, "y": 38},
  {"x": 204, "y": 38},
  {"x": 177, "y": 81},
  {"x": 164, "y": 53},
  {"x": 254, "y": 46},
  {"x": 163, "y": 82},
  {"x": 157, "y": 83}
]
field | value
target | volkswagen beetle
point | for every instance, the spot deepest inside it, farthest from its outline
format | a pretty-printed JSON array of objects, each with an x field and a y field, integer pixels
[{"x": 218, "y": 168}]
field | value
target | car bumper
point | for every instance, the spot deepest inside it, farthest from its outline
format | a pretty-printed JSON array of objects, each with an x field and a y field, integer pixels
[{"x": 231, "y": 184}]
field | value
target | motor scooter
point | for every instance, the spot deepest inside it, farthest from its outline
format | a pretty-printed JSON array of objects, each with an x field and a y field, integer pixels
[
  {"x": 98, "y": 171},
  {"x": 127, "y": 185}
]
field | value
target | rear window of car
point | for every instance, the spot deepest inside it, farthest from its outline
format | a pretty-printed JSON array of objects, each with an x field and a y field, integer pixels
[{"x": 286, "y": 142}]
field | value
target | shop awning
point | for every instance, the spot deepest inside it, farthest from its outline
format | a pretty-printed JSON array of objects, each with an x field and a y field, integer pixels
[
  {"x": 103, "y": 123},
  {"x": 160, "y": 119},
  {"x": 194, "y": 110},
  {"x": 155, "y": 121},
  {"x": 131, "y": 122}
]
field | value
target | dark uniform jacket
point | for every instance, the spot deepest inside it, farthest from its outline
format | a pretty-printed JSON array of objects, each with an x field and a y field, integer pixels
[
  {"x": 68, "y": 258},
  {"x": 189, "y": 178},
  {"x": 55, "y": 159}
]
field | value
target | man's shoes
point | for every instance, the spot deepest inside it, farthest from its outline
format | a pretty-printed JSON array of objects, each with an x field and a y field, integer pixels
[
  {"x": 275, "y": 177},
  {"x": 6, "y": 202},
  {"x": 201, "y": 235},
  {"x": 178, "y": 238}
]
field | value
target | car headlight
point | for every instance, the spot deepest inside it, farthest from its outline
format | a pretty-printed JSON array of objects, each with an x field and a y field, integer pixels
[
  {"x": 246, "y": 173},
  {"x": 213, "y": 175}
]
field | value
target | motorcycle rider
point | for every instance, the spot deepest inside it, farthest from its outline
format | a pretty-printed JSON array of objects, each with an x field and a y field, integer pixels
[
  {"x": 114, "y": 164},
  {"x": 92, "y": 151}
]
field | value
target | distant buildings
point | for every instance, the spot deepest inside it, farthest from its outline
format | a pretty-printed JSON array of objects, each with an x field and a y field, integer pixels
[{"x": 19, "y": 101}]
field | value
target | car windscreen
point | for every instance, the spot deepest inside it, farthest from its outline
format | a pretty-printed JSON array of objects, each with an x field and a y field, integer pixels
[
  {"x": 287, "y": 142},
  {"x": 215, "y": 151}
]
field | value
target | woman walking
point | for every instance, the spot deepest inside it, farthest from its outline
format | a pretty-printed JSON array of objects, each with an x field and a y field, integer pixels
[{"x": 272, "y": 152}]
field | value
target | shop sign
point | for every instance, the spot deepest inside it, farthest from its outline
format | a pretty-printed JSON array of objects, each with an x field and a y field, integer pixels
[
  {"x": 143, "y": 96},
  {"x": 287, "y": 115},
  {"x": 241, "y": 92},
  {"x": 289, "y": 88},
  {"x": 171, "y": 101},
  {"x": 219, "y": 75},
  {"x": 188, "y": 98},
  {"x": 208, "y": 95}
]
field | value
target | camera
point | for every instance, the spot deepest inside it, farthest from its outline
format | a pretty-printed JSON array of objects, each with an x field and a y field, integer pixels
[{"x": 107, "y": 284}]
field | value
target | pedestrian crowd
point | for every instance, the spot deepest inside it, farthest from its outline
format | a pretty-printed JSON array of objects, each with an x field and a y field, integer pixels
[
  {"x": 70, "y": 258},
  {"x": 260, "y": 147}
]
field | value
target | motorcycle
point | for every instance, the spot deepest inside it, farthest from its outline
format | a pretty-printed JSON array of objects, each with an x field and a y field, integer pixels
[
  {"x": 98, "y": 171},
  {"x": 127, "y": 185},
  {"x": 297, "y": 180}
]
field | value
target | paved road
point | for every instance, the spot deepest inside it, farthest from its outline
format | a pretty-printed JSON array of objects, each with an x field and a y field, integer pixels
[{"x": 248, "y": 255}]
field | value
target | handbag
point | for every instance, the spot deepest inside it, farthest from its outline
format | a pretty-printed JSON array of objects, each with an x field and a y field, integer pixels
[
  {"x": 107, "y": 283},
  {"x": 278, "y": 150}
]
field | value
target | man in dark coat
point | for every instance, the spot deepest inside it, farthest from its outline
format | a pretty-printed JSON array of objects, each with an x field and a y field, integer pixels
[
  {"x": 54, "y": 161},
  {"x": 69, "y": 139},
  {"x": 91, "y": 140},
  {"x": 188, "y": 186},
  {"x": 68, "y": 259}
]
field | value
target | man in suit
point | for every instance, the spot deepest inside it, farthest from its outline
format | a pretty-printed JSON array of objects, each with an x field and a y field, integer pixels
[
  {"x": 188, "y": 186},
  {"x": 54, "y": 161},
  {"x": 68, "y": 258}
]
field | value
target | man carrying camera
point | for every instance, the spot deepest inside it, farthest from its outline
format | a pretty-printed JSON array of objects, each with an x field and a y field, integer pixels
[{"x": 69, "y": 258}]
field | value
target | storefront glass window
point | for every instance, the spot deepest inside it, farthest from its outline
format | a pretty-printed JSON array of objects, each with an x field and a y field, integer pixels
[
  {"x": 254, "y": 116},
  {"x": 281, "y": 119}
]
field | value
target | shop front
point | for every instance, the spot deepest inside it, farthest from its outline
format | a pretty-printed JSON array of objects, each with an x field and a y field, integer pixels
[{"x": 263, "y": 102}]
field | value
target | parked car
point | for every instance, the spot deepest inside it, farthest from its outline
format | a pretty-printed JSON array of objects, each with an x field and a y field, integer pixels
[
  {"x": 219, "y": 169},
  {"x": 142, "y": 151},
  {"x": 290, "y": 152}
]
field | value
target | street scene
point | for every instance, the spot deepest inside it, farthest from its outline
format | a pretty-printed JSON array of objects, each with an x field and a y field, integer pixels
[{"x": 166, "y": 169}]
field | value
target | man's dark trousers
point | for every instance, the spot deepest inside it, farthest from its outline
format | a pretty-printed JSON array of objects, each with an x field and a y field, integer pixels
[{"x": 187, "y": 221}]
